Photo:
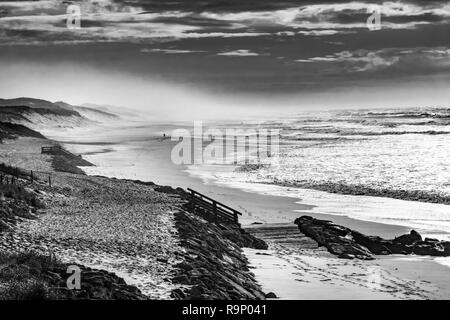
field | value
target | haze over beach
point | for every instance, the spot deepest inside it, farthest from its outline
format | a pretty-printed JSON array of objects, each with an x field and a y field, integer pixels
[
  {"x": 180, "y": 60},
  {"x": 357, "y": 187}
]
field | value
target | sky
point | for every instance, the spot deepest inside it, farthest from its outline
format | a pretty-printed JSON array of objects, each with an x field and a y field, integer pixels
[{"x": 188, "y": 58}]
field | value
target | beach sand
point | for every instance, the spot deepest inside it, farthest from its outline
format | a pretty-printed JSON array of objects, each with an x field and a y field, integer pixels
[
  {"x": 295, "y": 268},
  {"x": 335, "y": 278},
  {"x": 114, "y": 225}
]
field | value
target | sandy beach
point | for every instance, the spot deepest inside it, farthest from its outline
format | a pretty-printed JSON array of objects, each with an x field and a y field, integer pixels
[
  {"x": 296, "y": 268},
  {"x": 309, "y": 272},
  {"x": 116, "y": 226},
  {"x": 128, "y": 229}
]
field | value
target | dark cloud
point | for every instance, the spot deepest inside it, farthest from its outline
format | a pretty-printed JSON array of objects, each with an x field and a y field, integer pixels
[{"x": 258, "y": 46}]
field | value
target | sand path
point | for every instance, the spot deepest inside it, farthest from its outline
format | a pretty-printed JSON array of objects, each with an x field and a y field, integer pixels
[{"x": 116, "y": 225}]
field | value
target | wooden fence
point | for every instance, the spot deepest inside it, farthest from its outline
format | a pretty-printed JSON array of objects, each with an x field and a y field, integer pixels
[
  {"x": 51, "y": 149},
  {"x": 15, "y": 176},
  {"x": 54, "y": 150},
  {"x": 213, "y": 208}
]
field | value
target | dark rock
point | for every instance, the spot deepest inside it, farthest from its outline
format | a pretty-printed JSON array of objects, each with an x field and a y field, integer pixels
[
  {"x": 181, "y": 279},
  {"x": 184, "y": 266},
  {"x": 410, "y": 238},
  {"x": 349, "y": 244},
  {"x": 372, "y": 243},
  {"x": 271, "y": 295},
  {"x": 177, "y": 294},
  {"x": 432, "y": 249},
  {"x": 196, "y": 292},
  {"x": 259, "y": 244},
  {"x": 337, "y": 239},
  {"x": 398, "y": 248},
  {"x": 213, "y": 261},
  {"x": 346, "y": 256},
  {"x": 446, "y": 245}
]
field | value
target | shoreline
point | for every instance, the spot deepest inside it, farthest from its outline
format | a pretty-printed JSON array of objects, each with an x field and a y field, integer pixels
[
  {"x": 128, "y": 227},
  {"x": 253, "y": 202},
  {"x": 266, "y": 203},
  {"x": 361, "y": 190},
  {"x": 321, "y": 289}
]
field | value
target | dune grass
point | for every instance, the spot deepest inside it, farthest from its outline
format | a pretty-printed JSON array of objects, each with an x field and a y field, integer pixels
[
  {"x": 23, "y": 276},
  {"x": 19, "y": 193}
]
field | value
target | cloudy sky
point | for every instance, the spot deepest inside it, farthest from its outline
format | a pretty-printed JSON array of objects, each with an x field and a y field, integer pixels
[{"x": 224, "y": 55}]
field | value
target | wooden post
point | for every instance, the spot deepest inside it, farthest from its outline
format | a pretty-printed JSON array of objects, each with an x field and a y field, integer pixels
[
  {"x": 31, "y": 176},
  {"x": 215, "y": 210},
  {"x": 193, "y": 201},
  {"x": 246, "y": 149},
  {"x": 235, "y": 217},
  {"x": 257, "y": 147},
  {"x": 49, "y": 181}
]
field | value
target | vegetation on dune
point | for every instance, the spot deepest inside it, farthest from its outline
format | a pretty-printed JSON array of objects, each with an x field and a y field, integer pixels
[
  {"x": 25, "y": 276},
  {"x": 11, "y": 130},
  {"x": 16, "y": 191},
  {"x": 19, "y": 193},
  {"x": 34, "y": 276},
  {"x": 18, "y": 110},
  {"x": 69, "y": 163},
  {"x": 16, "y": 201}
]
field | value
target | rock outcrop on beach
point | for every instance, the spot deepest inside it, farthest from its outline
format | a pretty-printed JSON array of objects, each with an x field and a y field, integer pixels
[
  {"x": 214, "y": 266},
  {"x": 349, "y": 244}
]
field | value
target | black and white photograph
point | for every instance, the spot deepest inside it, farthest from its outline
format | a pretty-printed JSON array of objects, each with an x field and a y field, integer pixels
[{"x": 224, "y": 150}]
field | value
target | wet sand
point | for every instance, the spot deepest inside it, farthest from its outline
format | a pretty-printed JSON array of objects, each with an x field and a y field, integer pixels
[
  {"x": 295, "y": 268},
  {"x": 256, "y": 207}
]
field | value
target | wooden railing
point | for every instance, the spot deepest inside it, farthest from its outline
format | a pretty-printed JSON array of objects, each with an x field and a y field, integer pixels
[
  {"x": 15, "y": 176},
  {"x": 56, "y": 150},
  {"x": 213, "y": 208},
  {"x": 52, "y": 149}
]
